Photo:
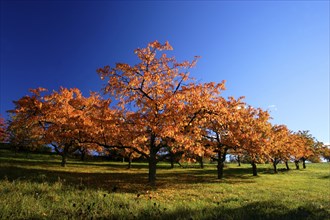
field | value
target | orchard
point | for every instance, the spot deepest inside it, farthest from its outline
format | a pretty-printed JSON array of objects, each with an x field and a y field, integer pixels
[{"x": 155, "y": 109}]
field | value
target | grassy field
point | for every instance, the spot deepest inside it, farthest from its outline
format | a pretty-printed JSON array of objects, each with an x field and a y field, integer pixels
[{"x": 36, "y": 187}]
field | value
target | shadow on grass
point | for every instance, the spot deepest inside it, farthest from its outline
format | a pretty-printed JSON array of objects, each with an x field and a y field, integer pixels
[
  {"x": 325, "y": 177},
  {"x": 130, "y": 181},
  {"x": 125, "y": 182},
  {"x": 30, "y": 162},
  {"x": 106, "y": 175},
  {"x": 56, "y": 160},
  {"x": 266, "y": 210},
  {"x": 231, "y": 175},
  {"x": 257, "y": 210}
]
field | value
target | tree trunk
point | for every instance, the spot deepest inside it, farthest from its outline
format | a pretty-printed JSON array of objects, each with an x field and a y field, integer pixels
[
  {"x": 304, "y": 162},
  {"x": 239, "y": 160},
  {"x": 152, "y": 169},
  {"x": 220, "y": 169},
  {"x": 221, "y": 161},
  {"x": 64, "y": 159},
  {"x": 254, "y": 168},
  {"x": 129, "y": 161},
  {"x": 220, "y": 165},
  {"x": 287, "y": 165},
  {"x": 65, "y": 155},
  {"x": 172, "y": 159},
  {"x": 152, "y": 161},
  {"x": 296, "y": 162},
  {"x": 201, "y": 162},
  {"x": 83, "y": 155},
  {"x": 178, "y": 162},
  {"x": 274, "y": 165}
]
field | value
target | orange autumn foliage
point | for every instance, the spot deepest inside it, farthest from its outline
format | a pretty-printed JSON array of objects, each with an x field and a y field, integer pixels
[
  {"x": 58, "y": 119},
  {"x": 158, "y": 109},
  {"x": 3, "y": 130},
  {"x": 166, "y": 101}
]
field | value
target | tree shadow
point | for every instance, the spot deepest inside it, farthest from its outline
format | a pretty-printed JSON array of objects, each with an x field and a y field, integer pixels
[
  {"x": 231, "y": 176},
  {"x": 325, "y": 177},
  {"x": 129, "y": 181},
  {"x": 54, "y": 159},
  {"x": 125, "y": 182},
  {"x": 30, "y": 162},
  {"x": 265, "y": 210},
  {"x": 268, "y": 210},
  {"x": 116, "y": 174},
  {"x": 43, "y": 169},
  {"x": 56, "y": 162}
]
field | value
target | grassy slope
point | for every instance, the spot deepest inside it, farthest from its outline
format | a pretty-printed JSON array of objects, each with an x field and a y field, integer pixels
[{"x": 37, "y": 187}]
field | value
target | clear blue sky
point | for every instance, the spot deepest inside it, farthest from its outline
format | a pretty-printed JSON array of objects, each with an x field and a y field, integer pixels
[{"x": 276, "y": 53}]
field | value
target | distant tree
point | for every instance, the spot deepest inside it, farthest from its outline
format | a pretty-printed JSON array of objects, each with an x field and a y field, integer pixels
[
  {"x": 3, "y": 130},
  {"x": 280, "y": 146},
  {"x": 173, "y": 157},
  {"x": 238, "y": 155},
  {"x": 25, "y": 131},
  {"x": 221, "y": 123},
  {"x": 325, "y": 152},
  {"x": 302, "y": 147},
  {"x": 317, "y": 152},
  {"x": 57, "y": 119},
  {"x": 129, "y": 154},
  {"x": 308, "y": 146},
  {"x": 254, "y": 136}
]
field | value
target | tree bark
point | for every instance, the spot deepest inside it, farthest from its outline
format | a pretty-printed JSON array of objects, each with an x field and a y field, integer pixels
[
  {"x": 254, "y": 168},
  {"x": 129, "y": 161},
  {"x": 296, "y": 162},
  {"x": 220, "y": 169},
  {"x": 221, "y": 161},
  {"x": 201, "y": 162},
  {"x": 274, "y": 165},
  {"x": 64, "y": 159},
  {"x": 287, "y": 165},
  {"x": 304, "y": 162},
  {"x": 65, "y": 155},
  {"x": 152, "y": 169},
  {"x": 83, "y": 155},
  {"x": 152, "y": 161},
  {"x": 239, "y": 160},
  {"x": 172, "y": 159}
]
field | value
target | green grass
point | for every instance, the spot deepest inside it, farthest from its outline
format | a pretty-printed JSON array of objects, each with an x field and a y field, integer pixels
[{"x": 36, "y": 187}]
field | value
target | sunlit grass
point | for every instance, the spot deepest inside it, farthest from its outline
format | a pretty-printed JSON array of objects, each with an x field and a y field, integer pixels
[{"x": 37, "y": 187}]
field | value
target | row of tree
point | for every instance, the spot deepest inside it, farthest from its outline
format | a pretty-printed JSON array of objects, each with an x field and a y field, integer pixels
[{"x": 158, "y": 111}]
